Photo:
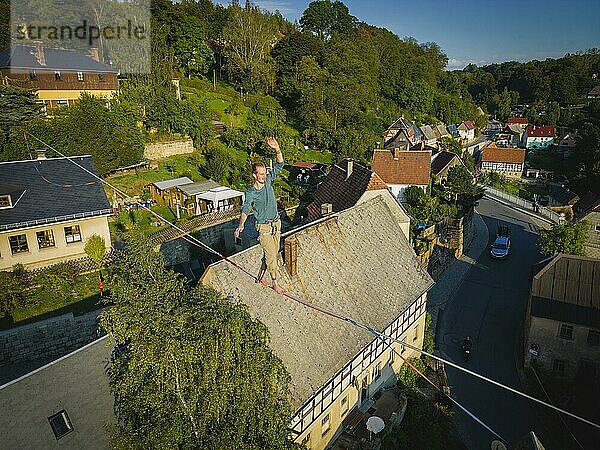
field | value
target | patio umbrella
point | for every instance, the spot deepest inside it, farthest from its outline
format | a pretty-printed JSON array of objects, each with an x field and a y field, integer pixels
[{"x": 375, "y": 425}]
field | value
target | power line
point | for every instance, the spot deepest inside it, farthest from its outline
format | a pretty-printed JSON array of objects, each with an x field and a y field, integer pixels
[{"x": 194, "y": 241}]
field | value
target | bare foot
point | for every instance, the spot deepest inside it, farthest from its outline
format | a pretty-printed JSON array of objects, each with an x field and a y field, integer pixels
[
  {"x": 264, "y": 282},
  {"x": 279, "y": 289}
]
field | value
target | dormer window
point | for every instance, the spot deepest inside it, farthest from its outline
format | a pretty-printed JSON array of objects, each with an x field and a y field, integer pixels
[
  {"x": 100, "y": 77},
  {"x": 32, "y": 75},
  {"x": 57, "y": 75},
  {"x": 5, "y": 201},
  {"x": 80, "y": 76}
]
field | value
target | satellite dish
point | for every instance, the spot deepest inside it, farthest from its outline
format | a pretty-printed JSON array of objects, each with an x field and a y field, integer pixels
[{"x": 375, "y": 424}]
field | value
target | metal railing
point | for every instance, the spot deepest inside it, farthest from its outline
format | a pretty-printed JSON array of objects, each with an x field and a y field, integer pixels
[{"x": 525, "y": 204}]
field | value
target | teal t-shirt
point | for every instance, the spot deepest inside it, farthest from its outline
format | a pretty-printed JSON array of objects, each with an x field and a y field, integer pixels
[{"x": 263, "y": 201}]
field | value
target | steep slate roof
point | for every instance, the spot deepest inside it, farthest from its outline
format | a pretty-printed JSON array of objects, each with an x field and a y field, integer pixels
[
  {"x": 49, "y": 190},
  {"x": 568, "y": 289},
  {"x": 198, "y": 187},
  {"x": 23, "y": 57},
  {"x": 540, "y": 131},
  {"x": 76, "y": 383},
  {"x": 402, "y": 167},
  {"x": 341, "y": 191},
  {"x": 562, "y": 195},
  {"x": 505, "y": 155},
  {"x": 513, "y": 128},
  {"x": 400, "y": 124},
  {"x": 428, "y": 132},
  {"x": 401, "y": 140},
  {"x": 441, "y": 160},
  {"x": 453, "y": 130},
  {"x": 173, "y": 182},
  {"x": 357, "y": 262}
]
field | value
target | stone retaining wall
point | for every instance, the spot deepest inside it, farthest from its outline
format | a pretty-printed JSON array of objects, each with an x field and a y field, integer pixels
[
  {"x": 53, "y": 337},
  {"x": 157, "y": 150}
]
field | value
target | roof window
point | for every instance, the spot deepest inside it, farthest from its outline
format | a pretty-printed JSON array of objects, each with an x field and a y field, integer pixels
[{"x": 60, "y": 423}]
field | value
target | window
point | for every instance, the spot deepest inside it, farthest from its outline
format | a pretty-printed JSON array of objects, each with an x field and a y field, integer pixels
[
  {"x": 558, "y": 366},
  {"x": 325, "y": 425},
  {"x": 566, "y": 331},
  {"x": 62, "y": 102},
  {"x": 593, "y": 337},
  {"x": 5, "y": 201},
  {"x": 597, "y": 228},
  {"x": 344, "y": 406},
  {"x": 72, "y": 234},
  {"x": 60, "y": 423},
  {"x": 402, "y": 346},
  {"x": 32, "y": 75},
  {"x": 45, "y": 238},
  {"x": 377, "y": 371},
  {"x": 416, "y": 335},
  {"x": 100, "y": 77},
  {"x": 18, "y": 244},
  {"x": 57, "y": 76},
  {"x": 79, "y": 76},
  {"x": 306, "y": 441}
]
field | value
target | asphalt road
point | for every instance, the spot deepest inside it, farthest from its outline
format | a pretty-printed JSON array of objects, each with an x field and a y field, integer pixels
[{"x": 490, "y": 307}]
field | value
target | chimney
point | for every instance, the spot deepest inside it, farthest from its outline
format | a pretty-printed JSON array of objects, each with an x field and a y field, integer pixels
[
  {"x": 94, "y": 54},
  {"x": 41, "y": 153},
  {"x": 396, "y": 153},
  {"x": 349, "y": 167},
  {"x": 326, "y": 209},
  {"x": 39, "y": 52},
  {"x": 290, "y": 255}
]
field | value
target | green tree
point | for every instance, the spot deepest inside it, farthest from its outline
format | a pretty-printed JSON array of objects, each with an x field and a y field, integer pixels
[
  {"x": 462, "y": 185},
  {"x": 565, "y": 238},
  {"x": 413, "y": 195},
  {"x": 190, "y": 369},
  {"x": 588, "y": 148},
  {"x": 95, "y": 248},
  {"x": 326, "y": 18},
  {"x": 189, "y": 47},
  {"x": 250, "y": 35}
]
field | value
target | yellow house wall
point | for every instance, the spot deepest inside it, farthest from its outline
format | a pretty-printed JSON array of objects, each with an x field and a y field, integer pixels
[
  {"x": 72, "y": 94},
  {"x": 36, "y": 257},
  {"x": 319, "y": 441}
]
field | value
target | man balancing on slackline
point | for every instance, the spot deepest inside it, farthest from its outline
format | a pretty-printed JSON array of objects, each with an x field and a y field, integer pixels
[{"x": 261, "y": 198}]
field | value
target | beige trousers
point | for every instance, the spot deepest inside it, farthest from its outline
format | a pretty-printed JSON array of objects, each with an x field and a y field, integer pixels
[{"x": 269, "y": 235}]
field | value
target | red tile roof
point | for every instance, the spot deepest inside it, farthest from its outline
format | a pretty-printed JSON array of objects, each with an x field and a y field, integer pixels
[
  {"x": 505, "y": 155},
  {"x": 519, "y": 120},
  {"x": 470, "y": 125},
  {"x": 341, "y": 191},
  {"x": 540, "y": 131},
  {"x": 402, "y": 167},
  {"x": 304, "y": 165}
]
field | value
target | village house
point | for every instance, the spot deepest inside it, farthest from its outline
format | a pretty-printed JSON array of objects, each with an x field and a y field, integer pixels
[
  {"x": 510, "y": 136},
  {"x": 441, "y": 163},
  {"x": 594, "y": 92},
  {"x": 521, "y": 122},
  {"x": 441, "y": 131},
  {"x": 562, "y": 328},
  {"x": 336, "y": 367},
  {"x": 506, "y": 161},
  {"x": 49, "y": 208},
  {"x": 588, "y": 209},
  {"x": 58, "y": 76},
  {"x": 400, "y": 169},
  {"x": 466, "y": 130},
  {"x": 402, "y": 134},
  {"x": 567, "y": 145},
  {"x": 429, "y": 137},
  {"x": 348, "y": 184},
  {"x": 538, "y": 136},
  {"x": 453, "y": 131}
]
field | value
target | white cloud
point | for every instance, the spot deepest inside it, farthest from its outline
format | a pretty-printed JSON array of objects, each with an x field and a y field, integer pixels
[{"x": 285, "y": 8}]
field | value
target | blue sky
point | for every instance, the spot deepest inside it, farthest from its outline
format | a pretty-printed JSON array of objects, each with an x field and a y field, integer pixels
[{"x": 478, "y": 31}]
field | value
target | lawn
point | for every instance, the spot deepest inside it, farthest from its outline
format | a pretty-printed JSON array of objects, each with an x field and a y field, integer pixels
[
  {"x": 41, "y": 303},
  {"x": 176, "y": 166}
]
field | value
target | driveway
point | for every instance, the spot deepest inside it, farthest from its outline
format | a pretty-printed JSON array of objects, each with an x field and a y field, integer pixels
[{"x": 490, "y": 307}]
